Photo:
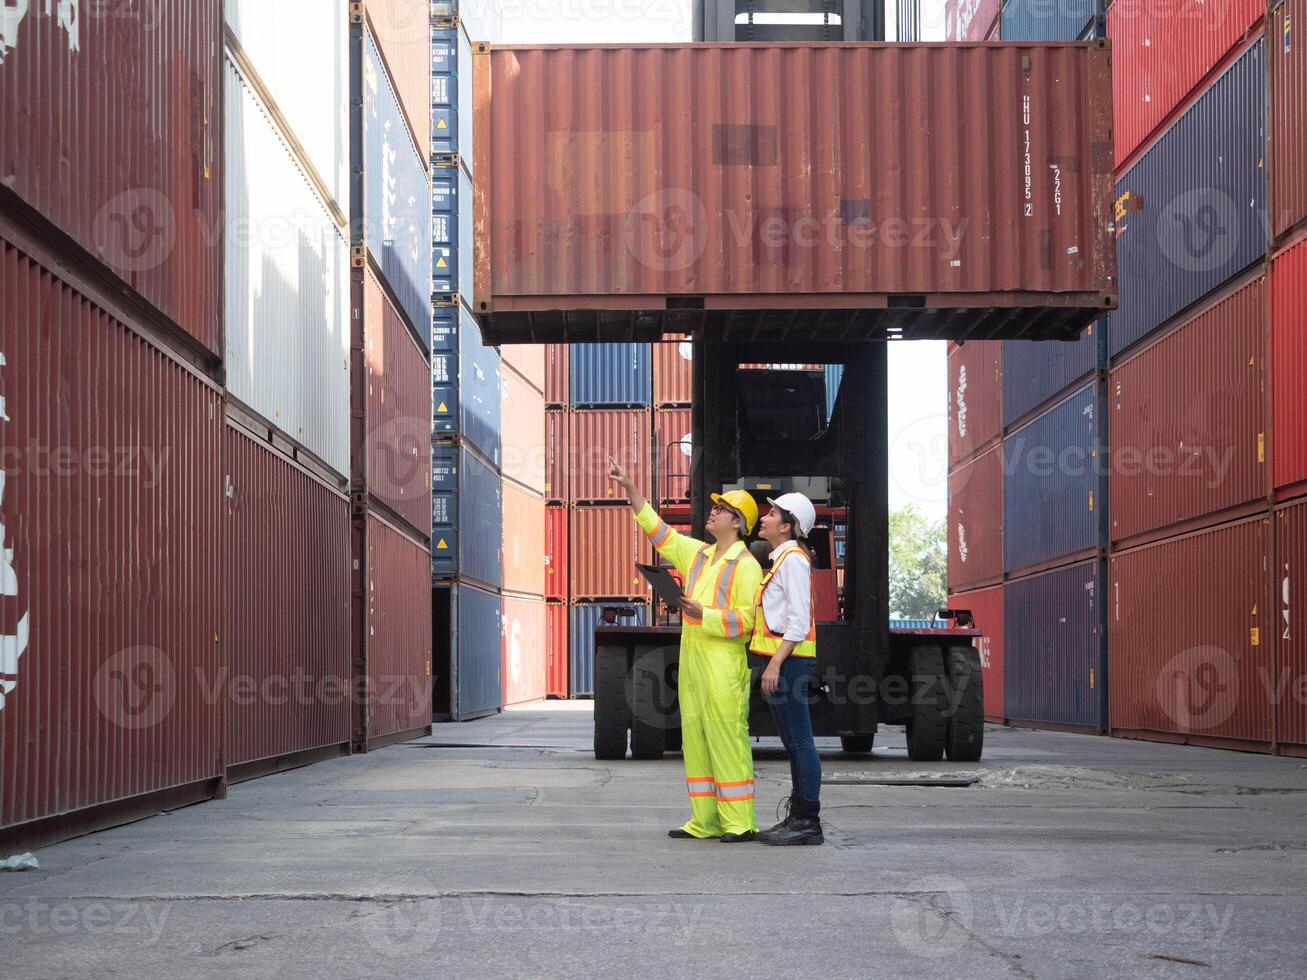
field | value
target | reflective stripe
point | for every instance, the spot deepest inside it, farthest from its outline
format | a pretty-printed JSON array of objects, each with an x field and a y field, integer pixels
[
  {"x": 696, "y": 569},
  {"x": 700, "y": 786},
  {"x": 734, "y": 625},
  {"x": 660, "y": 534},
  {"x": 724, "y": 582},
  {"x": 735, "y": 792}
]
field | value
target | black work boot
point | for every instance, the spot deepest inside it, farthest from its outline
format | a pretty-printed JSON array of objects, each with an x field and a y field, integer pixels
[
  {"x": 788, "y": 804},
  {"x": 743, "y": 838},
  {"x": 804, "y": 826}
]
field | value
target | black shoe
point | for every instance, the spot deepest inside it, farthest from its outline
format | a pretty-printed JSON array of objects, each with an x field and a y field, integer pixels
[
  {"x": 788, "y": 805},
  {"x": 804, "y": 827},
  {"x": 743, "y": 838},
  {"x": 682, "y": 834}
]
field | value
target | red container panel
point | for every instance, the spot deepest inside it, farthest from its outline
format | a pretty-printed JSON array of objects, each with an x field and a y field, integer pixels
[
  {"x": 557, "y": 426},
  {"x": 121, "y": 142},
  {"x": 395, "y": 458},
  {"x": 605, "y": 181},
  {"x": 556, "y": 535},
  {"x": 987, "y": 607},
  {"x": 524, "y": 541},
  {"x": 522, "y": 432},
  {"x": 674, "y": 454},
  {"x": 396, "y": 631},
  {"x": 1162, "y": 53},
  {"x": 597, "y": 434},
  {"x": 556, "y": 650},
  {"x": 673, "y": 373},
  {"x": 970, "y": 20},
  {"x": 528, "y": 360},
  {"x": 975, "y": 397},
  {"x": 288, "y": 605},
  {"x": 1191, "y": 630},
  {"x": 1187, "y": 418},
  {"x": 1289, "y": 367},
  {"x": 1291, "y": 609},
  {"x": 1287, "y": 51},
  {"x": 975, "y": 520},
  {"x": 111, "y": 527},
  {"x": 403, "y": 32},
  {"x": 605, "y": 545},
  {"x": 557, "y": 378},
  {"x": 525, "y": 653}
]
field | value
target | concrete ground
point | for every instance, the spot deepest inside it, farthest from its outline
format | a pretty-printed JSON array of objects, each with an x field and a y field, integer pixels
[{"x": 502, "y": 848}]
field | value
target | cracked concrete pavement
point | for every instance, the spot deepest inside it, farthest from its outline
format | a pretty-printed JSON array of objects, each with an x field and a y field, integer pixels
[{"x": 501, "y": 847}]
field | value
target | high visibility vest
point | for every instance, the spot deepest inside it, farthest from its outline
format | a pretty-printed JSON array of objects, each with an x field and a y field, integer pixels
[
  {"x": 725, "y": 581},
  {"x": 766, "y": 640}
]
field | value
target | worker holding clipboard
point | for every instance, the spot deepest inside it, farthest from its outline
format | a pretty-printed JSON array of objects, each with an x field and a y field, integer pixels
[{"x": 721, "y": 582}]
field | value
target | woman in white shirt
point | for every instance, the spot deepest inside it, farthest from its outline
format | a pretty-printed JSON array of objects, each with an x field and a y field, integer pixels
[{"x": 784, "y": 649}]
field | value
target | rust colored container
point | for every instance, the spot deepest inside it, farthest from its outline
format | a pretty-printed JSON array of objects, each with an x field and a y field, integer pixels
[
  {"x": 403, "y": 32},
  {"x": 1191, "y": 630},
  {"x": 987, "y": 607},
  {"x": 556, "y": 650},
  {"x": 1287, "y": 53},
  {"x": 111, "y": 530},
  {"x": 970, "y": 20},
  {"x": 557, "y": 439},
  {"x": 975, "y": 521},
  {"x": 522, "y": 432},
  {"x": 526, "y": 653},
  {"x": 683, "y": 210},
  {"x": 288, "y": 606},
  {"x": 1289, "y": 368},
  {"x": 975, "y": 397},
  {"x": 528, "y": 360},
  {"x": 396, "y": 643},
  {"x": 606, "y": 543},
  {"x": 127, "y": 162},
  {"x": 556, "y": 574},
  {"x": 596, "y": 434},
  {"x": 557, "y": 380},
  {"x": 524, "y": 541},
  {"x": 1162, "y": 53},
  {"x": 675, "y": 453},
  {"x": 1187, "y": 418},
  {"x": 395, "y": 456},
  {"x": 1291, "y": 608},
  {"x": 673, "y": 373}
]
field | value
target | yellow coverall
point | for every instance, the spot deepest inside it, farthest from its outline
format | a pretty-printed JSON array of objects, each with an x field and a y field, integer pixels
[{"x": 714, "y": 677}]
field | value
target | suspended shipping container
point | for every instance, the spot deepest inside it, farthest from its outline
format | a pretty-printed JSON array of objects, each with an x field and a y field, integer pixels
[
  {"x": 524, "y": 652},
  {"x": 610, "y": 374},
  {"x": 1287, "y": 581},
  {"x": 1288, "y": 129},
  {"x": 675, "y": 453},
  {"x": 673, "y": 373},
  {"x": 604, "y": 547},
  {"x": 522, "y": 414},
  {"x": 975, "y": 397},
  {"x": 1054, "y": 648},
  {"x": 556, "y": 568},
  {"x": 975, "y": 521},
  {"x": 556, "y": 650},
  {"x": 583, "y": 620},
  {"x": 986, "y": 606},
  {"x": 1035, "y": 373},
  {"x": 1047, "y": 20},
  {"x": 1188, "y": 420},
  {"x": 557, "y": 424},
  {"x": 557, "y": 383},
  {"x": 596, "y": 435},
  {"x": 1200, "y": 671},
  {"x": 470, "y": 650},
  {"x": 970, "y": 20},
  {"x": 401, "y": 31},
  {"x": 467, "y": 517},
  {"x": 524, "y": 541},
  {"x": 1289, "y": 368}
]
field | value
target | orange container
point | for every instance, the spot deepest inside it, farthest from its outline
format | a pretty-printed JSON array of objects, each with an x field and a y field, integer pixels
[
  {"x": 556, "y": 650},
  {"x": 672, "y": 436},
  {"x": 605, "y": 545},
  {"x": 556, "y": 553},
  {"x": 525, "y": 650},
  {"x": 557, "y": 378},
  {"x": 524, "y": 541},
  {"x": 673, "y": 370},
  {"x": 528, "y": 360},
  {"x": 522, "y": 431},
  {"x": 556, "y": 442},
  {"x": 596, "y": 434}
]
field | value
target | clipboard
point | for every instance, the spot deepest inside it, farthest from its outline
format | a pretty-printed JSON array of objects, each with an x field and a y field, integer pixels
[{"x": 662, "y": 582}]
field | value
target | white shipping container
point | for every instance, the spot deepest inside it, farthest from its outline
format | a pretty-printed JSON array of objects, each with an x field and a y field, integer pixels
[
  {"x": 464, "y": 68},
  {"x": 299, "y": 49},
  {"x": 465, "y": 241},
  {"x": 287, "y": 285}
]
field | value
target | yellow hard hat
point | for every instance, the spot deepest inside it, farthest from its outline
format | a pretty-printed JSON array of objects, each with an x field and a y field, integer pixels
[{"x": 742, "y": 502}]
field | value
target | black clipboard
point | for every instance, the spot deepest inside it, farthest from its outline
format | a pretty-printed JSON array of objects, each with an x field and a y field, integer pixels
[{"x": 663, "y": 583}]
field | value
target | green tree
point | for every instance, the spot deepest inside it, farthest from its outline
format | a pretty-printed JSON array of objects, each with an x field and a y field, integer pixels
[{"x": 918, "y": 564}]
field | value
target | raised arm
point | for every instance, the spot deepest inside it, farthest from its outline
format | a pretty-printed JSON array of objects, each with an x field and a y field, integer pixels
[{"x": 677, "y": 548}]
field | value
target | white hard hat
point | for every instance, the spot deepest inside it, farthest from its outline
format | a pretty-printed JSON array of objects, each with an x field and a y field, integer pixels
[{"x": 801, "y": 507}]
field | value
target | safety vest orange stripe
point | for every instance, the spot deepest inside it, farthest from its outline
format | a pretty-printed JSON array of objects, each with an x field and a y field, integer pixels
[
  {"x": 738, "y": 782},
  {"x": 766, "y": 640},
  {"x": 660, "y": 534}
]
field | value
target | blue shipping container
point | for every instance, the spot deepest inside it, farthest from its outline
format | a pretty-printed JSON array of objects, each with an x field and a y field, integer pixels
[
  {"x": 444, "y": 251},
  {"x": 834, "y": 372},
  {"x": 1054, "y": 478},
  {"x": 467, "y": 517},
  {"x": 583, "y": 619},
  {"x": 475, "y": 643},
  {"x": 444, "y": 328},
  {"x": 1191, "y": 214},
  {"x": 1035, "y": 371},
  {"x": 444, "y": 90},
  {"x": 610, "y": 374},
  {"x": 478, "y": 388},
  {"x": 396, "y": 194},
  {"x": 1048, "y": 20},
  {"x": 1054, "y": 647}
]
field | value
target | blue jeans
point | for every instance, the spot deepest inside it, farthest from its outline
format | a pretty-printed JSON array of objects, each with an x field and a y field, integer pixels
[{"x": 789, "y": 709}]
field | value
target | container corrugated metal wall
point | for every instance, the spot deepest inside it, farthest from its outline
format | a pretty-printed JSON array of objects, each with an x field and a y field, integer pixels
[
  {"x": 1290, "y": 574},
  {"x": 402, "y": 31},
  {"x": 1047, "y": 20},
  {"x": 524, "y": 541},
  {"x": 1192, "y": 211},
  {"x": 445, "y": 78},
  {"x": 582, "y": 622},
  {"x": 970, "y": 20},
  {"x": 610, "y": 374},
  {"x": 1286, "y": 34},
  {"x": 479, "y": 389},
  {"x": 604, "y": 547},
  {"x": 834, "y": 375},
  {"x": 975, "y": 397},
  {"x": 1054, "y": 473},
  {"x": 1289, "y": 367},
  {"x": 528, "y": 360},
  {"x": 556, "y": 535},
  {"x": 986, "y": 606},
  {"x": 1035, "y": 372},
  {"x": 525, "y": 653},
  {"x": 557, "y": 384},
  {"x": 127, "y": 162},
  {"x": 1054, "y": 657},
  {"x": 113, "y": 572},
  {"x": 673, "y": 372},
  {"x": 477, "y": 660},
  {"x": 975, "y": 521},
  {"x": 597, "y": 434},
  {"x": 466, "y": 517},
  {"x": 556, "y": 650},
  {"x": 674, "y": 440},
  {"x": 557, "y": 424},
  {"x": 1187, "y": 417},
  {"x": 288, "y": 606},
  {"x": 465, "y": 129},
  {"x": 1201, "y": 668},
  {"x": 522, "y": 417}
]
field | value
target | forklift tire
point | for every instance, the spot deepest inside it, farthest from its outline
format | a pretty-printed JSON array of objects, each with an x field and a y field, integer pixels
[
  {"x": 965, "y": 738},
  {"x": 612, "y": 717},
  {"x": 648, "y": 724},
  {"x": 927, "y": 725},
  {"x": 857, "y": 743}
]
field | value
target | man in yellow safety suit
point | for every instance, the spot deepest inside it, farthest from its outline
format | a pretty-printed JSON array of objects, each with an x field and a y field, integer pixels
[{"x": 721, "y": 582}]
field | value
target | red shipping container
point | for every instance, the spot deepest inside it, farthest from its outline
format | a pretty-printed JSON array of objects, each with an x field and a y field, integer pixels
[
  {"x": 522, "y": 432},
  {"x": 1287, "y": 137},
  {"x": 986, "y": 606},
  {"x": 556, "y": 552},
  {"x": 970, "y": 20},
  {"x": 394, "y": 460},
  {"x": 111, "y": 531},
  {"x": 557, "y": 440},
  {"x": 596, "y": 434},
  {"x": 524, "y": 541},
  {"x": 605, "y": 545},
  {"x": 1289, "y": 367},
  {"x": 975, "y": 521},
  {"x": 402, "y": 29},
  {"x": 1290, "y": 684},
  {"x": 575, "y": 195},
  {"x": 1162, "y": 53},
  {"x": 127, "y": 162},
  {"x": 528, "y": 360},
  {"x": 1191, "y": 634},
  {"x": 975, "y": 397},
  {"x": 557, "y": 362},
  {"x": 675, "y": 453},
  {"x": 556, "y": 650},
  {"x": 525, "y": 654},
  {"x": 673, "y": 373},
  {"x": 1187, "y": 417},
  {"x": 288, "y": 606}
]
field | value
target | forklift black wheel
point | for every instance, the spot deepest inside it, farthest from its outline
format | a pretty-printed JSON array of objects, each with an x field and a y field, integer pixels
[
  {"x": 611, "y": 712},
  {"x": 648, "y": 722},
  {"x": 965, "y": 738},
  {"x": 927, "y": 725},
  {"x": 857, "y": 743}
]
